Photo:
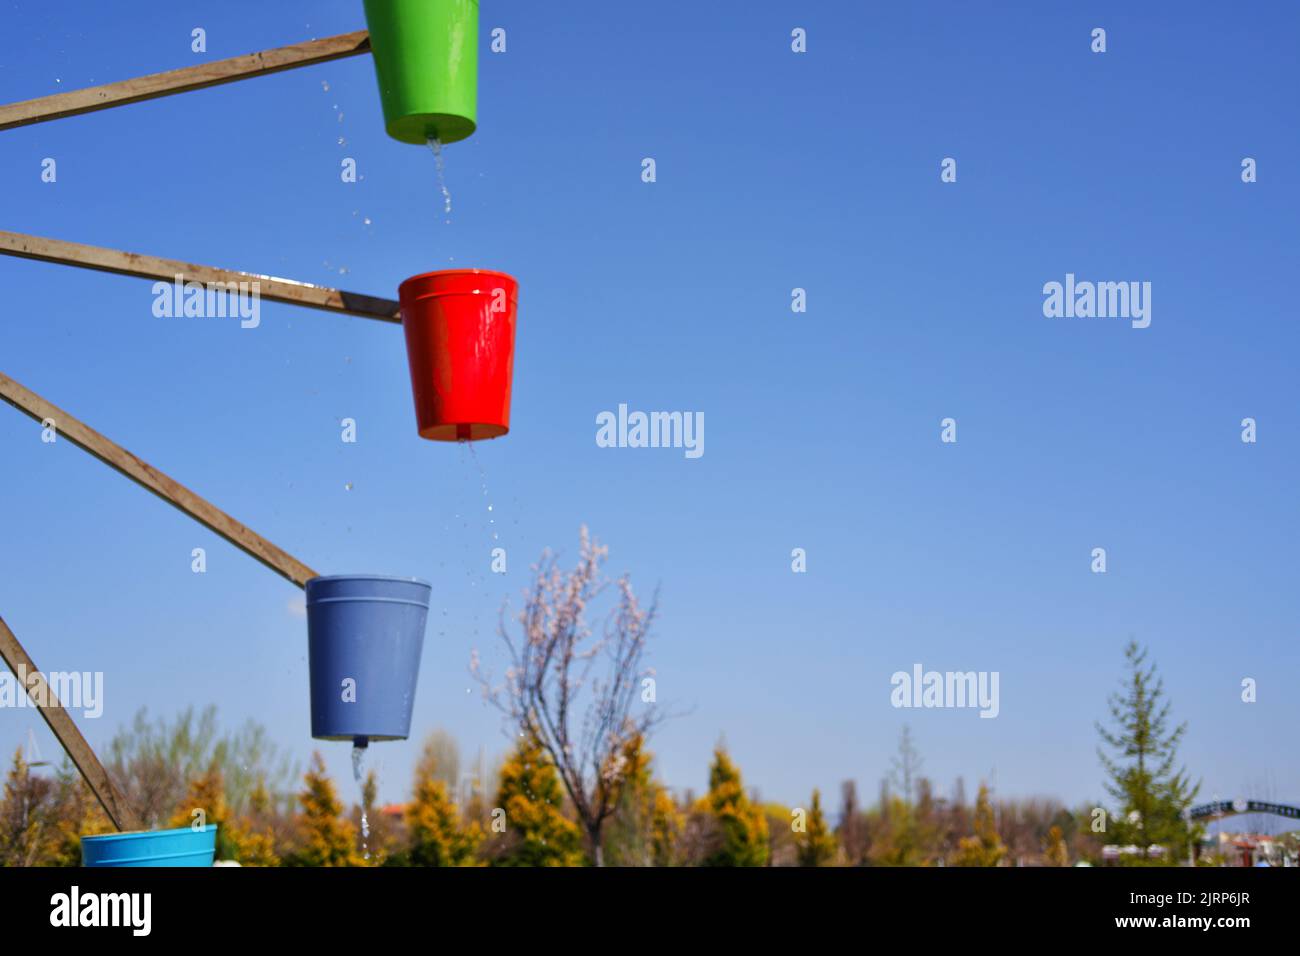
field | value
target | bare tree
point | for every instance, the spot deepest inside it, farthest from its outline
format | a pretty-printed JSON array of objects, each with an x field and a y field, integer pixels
[
  {"x": 573, "y": 689},
  {"x": 907, "y": 765},
  {"x": 852, "y": 829},
  {"x": 440, "y": 760},
  {"x": 153, "y": 762}
]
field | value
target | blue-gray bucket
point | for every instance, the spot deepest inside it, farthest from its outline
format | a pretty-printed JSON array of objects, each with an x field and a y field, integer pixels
[
  {"x": 183, "y": 846},
  {"x": 364, "y": 637}
]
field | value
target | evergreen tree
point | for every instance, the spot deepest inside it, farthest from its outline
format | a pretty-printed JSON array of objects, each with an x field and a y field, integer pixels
[
  {"x": 252, "y": 847},
  {"x": 646, "y": 824},
  {"x": 326, "y": 838},
  {"x": 666, "y": 827},
  {"x": 254, "y": 837},
  {"x": 436, "y": 835},
  {"x": 816, "y": 845},
  {"x": 985, "y": 847},
  {"x": 742, "y": 827},
  {"x": 905, "y": 829},
  {"x": 537, "y": 831},
  {"x": 906, "y": 765},
  {"x": 1057, "y": 853},
  {"x": 205, "y": 800},
  {"x": 237, "y": 838},
  {"x": 1152, "y": 795}
]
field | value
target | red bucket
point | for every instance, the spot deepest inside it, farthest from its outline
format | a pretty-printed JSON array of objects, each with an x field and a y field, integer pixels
[{"x": 460, "y": 342}]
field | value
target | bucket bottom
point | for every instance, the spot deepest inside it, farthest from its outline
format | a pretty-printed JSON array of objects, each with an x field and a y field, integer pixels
[
  {"x": 419, "y": 128},
  {"x": 462, "y": 431}
]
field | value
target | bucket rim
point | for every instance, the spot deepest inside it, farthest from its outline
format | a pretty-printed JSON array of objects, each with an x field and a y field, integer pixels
[
  {"x": 458, "y": 272},
  {"x": 397, "y": 578},
  {"x": 136, "y": 834}
]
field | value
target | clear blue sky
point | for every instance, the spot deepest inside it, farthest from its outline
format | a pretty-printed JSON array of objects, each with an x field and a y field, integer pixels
[{"x": 775, "y": 171}]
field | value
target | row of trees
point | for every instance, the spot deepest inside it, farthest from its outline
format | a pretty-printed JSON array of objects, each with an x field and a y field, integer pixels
[
  {"x": 579, "y": 785},
  {"x": 528, "y": 823},
  {"x": 525, "y": 819}
]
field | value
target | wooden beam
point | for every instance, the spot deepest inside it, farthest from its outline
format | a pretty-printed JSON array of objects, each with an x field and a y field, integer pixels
[
  {"x": 183, "y": 80},
  {"x": 152, "y": 267},
  {"x": 65, "y": 729},
  {"x": 151, "y": 479}
]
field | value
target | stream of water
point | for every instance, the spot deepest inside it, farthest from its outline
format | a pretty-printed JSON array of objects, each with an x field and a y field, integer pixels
[
  {"x": 482, "y": 476},
  {"x": 435, "y": 144},
  {"x": 358, "y": 759}
]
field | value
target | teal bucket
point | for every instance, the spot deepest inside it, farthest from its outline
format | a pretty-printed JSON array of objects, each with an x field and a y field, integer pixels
[{"x": 184, "y": 846}]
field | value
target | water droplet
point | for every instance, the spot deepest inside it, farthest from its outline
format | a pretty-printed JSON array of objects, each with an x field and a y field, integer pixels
[{"x": 324, "y": 86}]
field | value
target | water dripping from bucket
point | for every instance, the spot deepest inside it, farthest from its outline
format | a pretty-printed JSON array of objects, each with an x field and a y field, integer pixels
[
  {"x": 359, "y": 745},
  {"x": 435, "y": 144}
]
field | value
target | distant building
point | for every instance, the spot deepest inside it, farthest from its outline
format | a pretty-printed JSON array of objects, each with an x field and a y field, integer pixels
[{"x": 1252, "y": 849}]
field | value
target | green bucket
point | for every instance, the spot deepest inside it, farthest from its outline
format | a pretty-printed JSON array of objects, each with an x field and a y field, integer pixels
[{"x": 426, "y": 59}]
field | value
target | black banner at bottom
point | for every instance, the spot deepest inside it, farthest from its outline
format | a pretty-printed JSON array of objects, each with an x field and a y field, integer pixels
[{"x": 332, "y": 906}]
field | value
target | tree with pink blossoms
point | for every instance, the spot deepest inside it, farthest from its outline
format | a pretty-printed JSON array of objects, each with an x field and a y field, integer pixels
[{"x": 580, "y": 691}]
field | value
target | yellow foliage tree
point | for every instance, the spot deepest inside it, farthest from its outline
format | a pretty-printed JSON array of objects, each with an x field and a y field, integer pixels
[
  {"x": 816, "y": 845},
  {"x": 1057, "y": 852},
  {"x": 326, "y": 839},
  {"x": 537, "y": 831},
  {"x": 666, "y": 826},
  {"x": 646, "y": 824},
  {"x": 742, "y": 826},
  {"x": 985, "y": 847},
  {"x": 255, "y": 840},
  {"x": 437, "y": 837},
  {"x": 205, "y": 804}
]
